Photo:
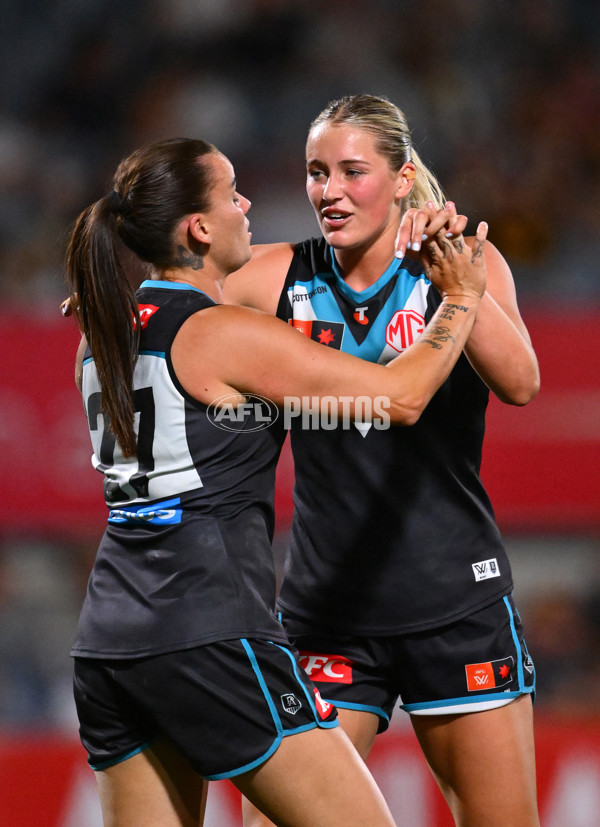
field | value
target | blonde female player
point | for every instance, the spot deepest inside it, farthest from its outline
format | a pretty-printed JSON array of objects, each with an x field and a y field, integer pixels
[{"x": 397, "y": 584}]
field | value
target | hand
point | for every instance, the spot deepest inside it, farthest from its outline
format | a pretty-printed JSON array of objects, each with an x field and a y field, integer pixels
[
  {"x": 417, "y": 223},
  {"x": 454, "y": 267}
]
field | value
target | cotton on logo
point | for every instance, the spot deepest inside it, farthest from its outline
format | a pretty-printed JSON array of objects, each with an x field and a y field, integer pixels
[
  {"x": 404, "y": 327},
  {"x": 326, "y": 668}
]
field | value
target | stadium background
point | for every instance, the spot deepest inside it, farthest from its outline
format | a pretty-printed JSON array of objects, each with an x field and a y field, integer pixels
[{"x": 504, "y": 104}]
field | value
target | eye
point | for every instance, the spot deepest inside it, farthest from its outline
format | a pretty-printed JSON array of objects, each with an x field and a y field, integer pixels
[
  {"x": 236, "y": 200},
  {"x": 315, "y": 174},
  {"x": 354, "y": 173}
]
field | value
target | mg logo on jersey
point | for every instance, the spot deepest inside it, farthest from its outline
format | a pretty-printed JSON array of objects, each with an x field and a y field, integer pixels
[
  {"x": 290, "y": 703},
  {"x": 490, "y": 675},
  {"x": 404, "y": 328},
  {"x": 326, "y": 668}
]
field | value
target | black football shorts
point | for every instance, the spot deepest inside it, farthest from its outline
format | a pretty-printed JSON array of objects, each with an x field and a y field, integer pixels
[
  {"x": 225, "y": 705},
  {"x": 476, "y": 663}
]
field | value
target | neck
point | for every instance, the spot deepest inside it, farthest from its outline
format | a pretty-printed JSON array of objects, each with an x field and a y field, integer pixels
[
  {"x": 361, "y": 267},
  {"x": 209, "y": 283}
]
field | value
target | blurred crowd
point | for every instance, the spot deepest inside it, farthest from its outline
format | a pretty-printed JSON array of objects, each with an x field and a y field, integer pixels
[
  {"x": 504, "y": 104},
  {"x": 503, "y": 100}
]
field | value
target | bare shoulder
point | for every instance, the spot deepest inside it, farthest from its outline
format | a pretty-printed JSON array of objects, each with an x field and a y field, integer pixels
[{"x": 259, "y": 283}]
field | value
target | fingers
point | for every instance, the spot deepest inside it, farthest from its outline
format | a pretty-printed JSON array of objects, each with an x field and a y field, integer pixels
[
  {"x": 419, "y": 225},
  {"x": 457, "y": 223}
]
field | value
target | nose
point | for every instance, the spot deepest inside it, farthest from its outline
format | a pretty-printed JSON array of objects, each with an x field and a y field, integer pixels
[
  {"x": 332, "y": 189},
  {"x": 245, "y": 203}
]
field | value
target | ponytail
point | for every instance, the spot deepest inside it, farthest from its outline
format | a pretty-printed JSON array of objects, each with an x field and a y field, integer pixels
[{"x": 107, "y": 312}]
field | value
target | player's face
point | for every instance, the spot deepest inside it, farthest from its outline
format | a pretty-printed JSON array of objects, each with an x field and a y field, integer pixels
[
  {"x": 353, "y": 190},
  {"x": 230, "y": 235}
]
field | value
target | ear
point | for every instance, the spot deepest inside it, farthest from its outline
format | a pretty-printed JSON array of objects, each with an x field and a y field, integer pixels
[
  {"x": 406, "y": 176},
  {"x": 198, "y": 228}
]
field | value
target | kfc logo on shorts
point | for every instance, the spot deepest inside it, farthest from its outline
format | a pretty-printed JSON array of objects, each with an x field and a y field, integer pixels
[
  {"x": 404, "y": 328},
  {"x": 489, "y": 675},
  {"x": 323, "y": 707},
  {"x": 290, "y": 703},
  {"x": 326, "y": 668}
]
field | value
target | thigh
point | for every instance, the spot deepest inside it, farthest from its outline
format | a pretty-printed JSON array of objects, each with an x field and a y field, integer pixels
[
  {"x": 484, "y": 763},
  {"x": 353, "y": 673},
  {"x": 154, "y": 788},
  {"x": 316, "y": 778}
]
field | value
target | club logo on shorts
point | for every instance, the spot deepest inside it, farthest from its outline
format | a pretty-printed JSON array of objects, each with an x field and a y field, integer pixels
[
  {"x": 486, "y": 569},
  {"x": 490, "y": 675},
  {"x": 290, "y": 703},
  {"x": 326, "y": 668}
]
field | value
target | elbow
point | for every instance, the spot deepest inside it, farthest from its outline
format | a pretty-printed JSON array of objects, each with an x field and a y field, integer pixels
[
  {"x": 520, "y": 393},
  {"x": 407, "y": 412}
]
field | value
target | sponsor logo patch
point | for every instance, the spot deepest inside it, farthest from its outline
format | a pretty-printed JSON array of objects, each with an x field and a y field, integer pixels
[
  {"x": 486, "y": 569},
  {"x": 290, "y": 703},
  {"x": 326, "y": 668},
  {"x": 359, "y": 315},
  {"x": 323, "y": 707},
  {"x": 404, "y": 327},
  {"x": 146, "y": 312},
  {"x": 490, "y": 675},
  {"x": 329, "y": 334}
]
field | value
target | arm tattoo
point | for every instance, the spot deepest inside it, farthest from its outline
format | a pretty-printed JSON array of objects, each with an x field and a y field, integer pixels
[
  {"x": 185, "y": 258},
  {"x": 437, "y": 336},
  {"x": 449, "y": 310}
]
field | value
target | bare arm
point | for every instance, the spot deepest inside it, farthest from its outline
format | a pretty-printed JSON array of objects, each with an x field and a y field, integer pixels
[
  {"x": 259, "y": 283},
  {"x": 248, "y": 351},
  {"x": 79, "y": 361},
  {"x": 499, "y": 347}
]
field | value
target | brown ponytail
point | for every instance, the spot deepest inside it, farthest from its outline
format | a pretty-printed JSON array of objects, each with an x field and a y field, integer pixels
[
  {"x": 106, "y": 310},
  {"x": 153, "y": 189}
]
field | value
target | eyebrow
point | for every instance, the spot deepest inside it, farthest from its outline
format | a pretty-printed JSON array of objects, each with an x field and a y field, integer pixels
[
  {"x": 234, "y": 182},
  {"x": 345, "y": 161}
]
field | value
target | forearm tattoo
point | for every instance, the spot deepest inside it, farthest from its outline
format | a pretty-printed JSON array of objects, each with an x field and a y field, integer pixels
[
  {"x": 440, "y": 333},
  {"x": 448, "y": 311},
  {"x": 185, "y": 258},
  {"x": 437, "y": 336}
]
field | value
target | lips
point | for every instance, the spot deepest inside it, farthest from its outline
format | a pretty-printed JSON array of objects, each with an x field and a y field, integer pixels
[{"x": 335, "y": 218}]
